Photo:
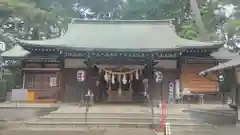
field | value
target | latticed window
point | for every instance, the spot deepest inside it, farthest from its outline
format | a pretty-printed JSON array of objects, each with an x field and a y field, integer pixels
[{"x": 42, "y": 81}]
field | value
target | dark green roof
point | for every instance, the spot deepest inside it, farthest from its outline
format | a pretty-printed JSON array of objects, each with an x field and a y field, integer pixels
[
  {"x": 120, "y": 35},
  {"x": 224, "y": 54},
  {"x": 231, "y": 63}
]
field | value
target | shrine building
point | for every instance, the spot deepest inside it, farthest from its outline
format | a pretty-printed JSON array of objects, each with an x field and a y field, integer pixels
[{"x": 123, "y": 57}]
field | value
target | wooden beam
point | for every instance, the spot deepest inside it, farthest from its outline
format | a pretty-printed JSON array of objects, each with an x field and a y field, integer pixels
[{"x": 41, "y": 69}]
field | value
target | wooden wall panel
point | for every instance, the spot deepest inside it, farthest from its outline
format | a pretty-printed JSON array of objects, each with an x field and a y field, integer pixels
[{"x": 192, "y": 81}]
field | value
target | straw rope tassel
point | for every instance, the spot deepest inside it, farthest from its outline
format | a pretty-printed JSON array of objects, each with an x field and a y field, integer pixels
[
  {"x": 109, "y": 84},
  {"x": 120, "y": 87}
]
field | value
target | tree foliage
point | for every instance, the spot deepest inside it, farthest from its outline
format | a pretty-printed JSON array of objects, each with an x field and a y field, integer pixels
[
  {"x": 27, "y": 9},
  {"x": 233, "y": 28},
  {"x": 153, "y": 9},
  {"x": 188, "y": 23},
  {"x": 161, "y": 9}
]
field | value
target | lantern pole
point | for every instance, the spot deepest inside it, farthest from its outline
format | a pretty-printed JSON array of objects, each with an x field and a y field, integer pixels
[
  {"x": 81, "y": 77},
  {"x": 82, "y": 88}
]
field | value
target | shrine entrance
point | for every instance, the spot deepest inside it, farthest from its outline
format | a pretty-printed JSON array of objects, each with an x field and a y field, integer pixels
[{"x": 117, "y": 83}]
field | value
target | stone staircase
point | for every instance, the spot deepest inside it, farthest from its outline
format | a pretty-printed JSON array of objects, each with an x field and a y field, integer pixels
[{"x": 181, "y": 123}]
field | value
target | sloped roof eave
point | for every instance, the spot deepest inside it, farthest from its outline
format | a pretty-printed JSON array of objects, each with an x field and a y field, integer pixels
[
  {"x": 229, "y": 64},
  {"x": 16, "y": 52},
  {"x": 69, "y": 47},
  {"x": 223, "y": 54}
]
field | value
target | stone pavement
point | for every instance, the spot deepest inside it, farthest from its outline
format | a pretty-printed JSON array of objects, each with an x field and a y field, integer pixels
[
  {"x": 208, "y": 106},
  {"x": 214, "y": 109},
  {"x": 65, "y": 108},
  {"x": 26, "y": 105},
  {"x": 89, "y": 131}
]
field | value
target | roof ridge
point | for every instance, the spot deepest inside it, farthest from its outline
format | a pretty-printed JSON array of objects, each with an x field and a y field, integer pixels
[{"x": 77, "y": 21}]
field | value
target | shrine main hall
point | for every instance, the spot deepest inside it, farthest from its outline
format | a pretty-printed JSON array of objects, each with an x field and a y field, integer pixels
[{"x": 121, "y": 59}]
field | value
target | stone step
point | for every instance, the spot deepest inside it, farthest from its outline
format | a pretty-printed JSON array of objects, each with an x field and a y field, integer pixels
[
  {"x": 113, "y": 119},
  {"x": 79, "y": 131},
  {"x": 116, "y": 114},
  {"x": 190, "y": 132},
  {"x": 92, "y": 131},
  {"x": 39, "y": 124}
]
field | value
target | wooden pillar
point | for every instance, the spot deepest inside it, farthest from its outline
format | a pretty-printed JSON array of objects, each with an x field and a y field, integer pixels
[
  {"x": 130, "y": 84},
  {"x": 62, "y": 89},
  {"x": 150, "y": 76},
  {"x": 120, "y": 91},
  {"x": 238, "y": 106},
  {"x": 87, "y": 69},
  {"x": 237, "y": 95},
  {"x": 23, "y": 74}
]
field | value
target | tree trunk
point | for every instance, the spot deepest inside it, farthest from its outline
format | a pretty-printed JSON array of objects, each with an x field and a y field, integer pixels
[{"x": 198, "y": 20}]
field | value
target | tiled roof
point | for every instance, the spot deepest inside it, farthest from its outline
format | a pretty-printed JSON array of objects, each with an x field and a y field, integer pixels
[{"x": 120, "y": 35}]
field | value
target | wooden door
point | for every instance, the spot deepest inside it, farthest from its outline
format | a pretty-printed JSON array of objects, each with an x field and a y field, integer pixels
[{"x": 72, "y": 86}]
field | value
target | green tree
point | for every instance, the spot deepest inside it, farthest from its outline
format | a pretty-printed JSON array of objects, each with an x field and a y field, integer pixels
[
  {"x": 194, "y": 19},
  {"x": 160, "y": 9},
  {"x": 233, "y": 28},
  {"x": 197, "y": 17},
  {"x": 27, "y": 10},
  {"x": 153, "y": 9}
]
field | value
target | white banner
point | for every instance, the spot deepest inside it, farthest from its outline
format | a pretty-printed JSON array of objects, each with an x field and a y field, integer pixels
[
  {"x": 170, "y": 92},
  {"x": 177, "y": 89},
  {"x": 53, "y": 82}
]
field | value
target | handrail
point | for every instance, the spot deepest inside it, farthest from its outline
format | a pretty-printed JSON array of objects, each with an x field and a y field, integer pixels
[
  {"x": 163, "y": 117},
  {"x": 86, "y": 109}
]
